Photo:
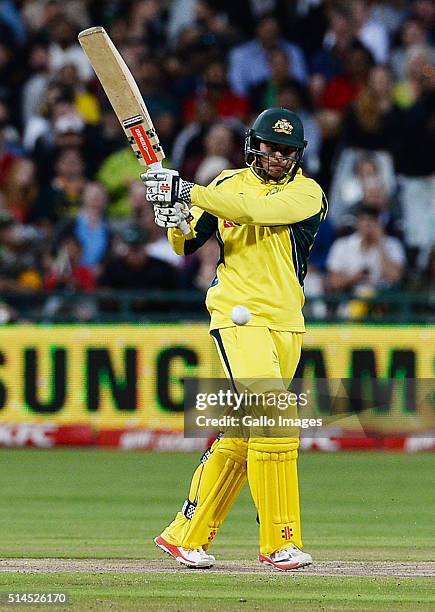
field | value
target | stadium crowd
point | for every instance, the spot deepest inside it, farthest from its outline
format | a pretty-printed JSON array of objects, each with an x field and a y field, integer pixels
[{"x": 360, "y": 73}]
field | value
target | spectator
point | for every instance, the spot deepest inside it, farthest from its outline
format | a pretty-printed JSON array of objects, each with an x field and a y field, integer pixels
[
  {"x": 375, "y": 196},
  {"x": 420, "y": 68},
  {"x": 215, "y": 24},
  {"x": 370, "y": 31},
  {"x": 265, "y": 94},
  {"x": 355, "y": 171},
  {"x": 65, "y": 131},
  {"x": 218, "y": 142},
  {"x": 38, "y": 15},
  {"x": 305, "y": 23},
  {"x": 416, "y": 117},
  {"x": 424, "y": 10},
  {"x": 370, "y": 122},
  {"x": 66, "y": 270},
  {"x": 197, "y": 48},
  {"x": 412, "y": 35},
  {"x": 21, "y": 188},
  {"x": 65, "y": 49},
  {"x": 36, "y": 84},
  {"x": 342, "y": 90},
  {"x": 10, "y": 135},
  {"x": 215, "y": 89},
  {"x": 158, "y": 245},
  {"x": 189, "y": 144},
  {"x": 145, "y": 22},
  {"x": 149, "y": 77},
  {"x": 329, "y": 62},
  {"x": 52, "y": 105},
  {"x": 222, "y": 20},
  {"x": 8, "y": 152},
  {"x": 189, "y": 141},
  {"x": 85, "y": 103},
  {"x": 181, "y": 16},
  {"x": 7, "y": 280},
  {"x": 11, "y": 18},
  {"x": 117, "y": 172},
  {"x": 367, "y": 260},
  {"x": 414, "y": 159},
  {"x": 142, "y": 215},
  {"x": 61, "y": 197},
  {"x": 390, "y": 13},
  {"x": 89, "y": 227},
  {"x": 10, "y": 74},
  {"x": 19, "y": 256},
  {"x": 248, "y": 62},
  {"x": 132, "y": 268},
  {"x": 137, "y": 208},
  {"x": 210, "y": 167}
]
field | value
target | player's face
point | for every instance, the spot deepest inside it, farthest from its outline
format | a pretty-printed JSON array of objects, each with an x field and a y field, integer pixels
[{"x": 279, "y": 160}]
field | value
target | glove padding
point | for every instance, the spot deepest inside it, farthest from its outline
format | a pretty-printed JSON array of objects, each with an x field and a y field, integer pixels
[
  {"x": 176, "y": 215},
  {"x": 166, "y": 187}
]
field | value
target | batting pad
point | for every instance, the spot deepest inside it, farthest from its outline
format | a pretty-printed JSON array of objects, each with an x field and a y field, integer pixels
[
  {"x": 214, "y": 488},
  {"x": 273, "y": 480}
]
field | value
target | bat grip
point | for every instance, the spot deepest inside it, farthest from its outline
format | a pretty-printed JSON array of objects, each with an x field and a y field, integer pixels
[{"x": 184, "y": 226}]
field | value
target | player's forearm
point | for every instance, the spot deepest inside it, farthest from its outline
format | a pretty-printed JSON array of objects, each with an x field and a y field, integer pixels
[
  {"x": 276, "y": 209},
  {"x": 177, "y": 240},
  {"x": 202, "y": 225}
]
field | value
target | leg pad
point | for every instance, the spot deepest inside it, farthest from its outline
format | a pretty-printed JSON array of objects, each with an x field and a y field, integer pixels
[
  {"x": 273, "y": 480},
  {"x": 215, "y": 486}
]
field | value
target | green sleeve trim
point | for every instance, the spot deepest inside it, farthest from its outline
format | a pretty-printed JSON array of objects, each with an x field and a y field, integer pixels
[{"x": 205, "y": 227}]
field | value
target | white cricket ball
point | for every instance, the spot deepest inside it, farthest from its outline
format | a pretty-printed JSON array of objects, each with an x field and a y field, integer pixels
[{"x": 241, "y": 315}]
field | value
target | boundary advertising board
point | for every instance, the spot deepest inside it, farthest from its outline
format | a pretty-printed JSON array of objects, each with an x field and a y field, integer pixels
[{"x": 122, "y": 385}]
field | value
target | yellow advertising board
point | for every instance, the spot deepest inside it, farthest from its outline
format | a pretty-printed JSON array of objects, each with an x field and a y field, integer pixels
[{"x": 131, "y": 376}]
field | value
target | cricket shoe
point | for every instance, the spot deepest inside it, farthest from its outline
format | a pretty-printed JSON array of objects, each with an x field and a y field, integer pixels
[
  {"x": 197, "y": 558},
  {"x": 287, "y": 559}
]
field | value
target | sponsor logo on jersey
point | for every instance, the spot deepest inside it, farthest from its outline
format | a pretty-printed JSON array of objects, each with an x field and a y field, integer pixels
[
  {"x": 274, "y": 190},
  {"x": 283, "y": 126},
  {"x": 229, "y": 223}
]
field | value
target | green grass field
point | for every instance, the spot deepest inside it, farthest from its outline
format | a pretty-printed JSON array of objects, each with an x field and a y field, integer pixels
[{"x": 94, "y": 504}]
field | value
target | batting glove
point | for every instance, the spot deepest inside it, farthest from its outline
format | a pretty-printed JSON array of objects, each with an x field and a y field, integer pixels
[
  {"x": 176, "y": 215},
  {"x": 166, "y": 187}
]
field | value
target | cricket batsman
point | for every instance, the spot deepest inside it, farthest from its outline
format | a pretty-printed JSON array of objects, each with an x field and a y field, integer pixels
[{"x": 266, "y": 217}]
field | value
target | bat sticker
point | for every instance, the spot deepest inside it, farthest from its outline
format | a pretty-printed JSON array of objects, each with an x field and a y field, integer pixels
[
  {"x": 144, "y": 144},
  {"x": 132, "y": 121}
]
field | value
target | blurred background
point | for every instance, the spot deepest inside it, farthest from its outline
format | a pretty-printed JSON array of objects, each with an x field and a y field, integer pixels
[{"x": 78, "y": 246}]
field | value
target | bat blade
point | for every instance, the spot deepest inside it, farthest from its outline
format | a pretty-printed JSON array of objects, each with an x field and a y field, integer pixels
[{"x": 123, "y": 93}]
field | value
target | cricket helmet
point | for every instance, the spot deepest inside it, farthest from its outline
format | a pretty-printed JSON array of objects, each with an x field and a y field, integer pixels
[{"x": 277, "y": 126}]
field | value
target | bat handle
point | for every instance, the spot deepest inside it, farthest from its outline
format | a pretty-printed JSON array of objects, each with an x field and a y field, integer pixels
[{"x": 184, "y": 226}]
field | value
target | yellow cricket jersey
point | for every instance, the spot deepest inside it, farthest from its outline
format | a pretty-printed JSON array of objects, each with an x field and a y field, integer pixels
[{"x": 265, "y": 232}]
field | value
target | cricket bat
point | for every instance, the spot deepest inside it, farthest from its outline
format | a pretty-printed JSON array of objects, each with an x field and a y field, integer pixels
[{"x": 125, "y": 98}]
